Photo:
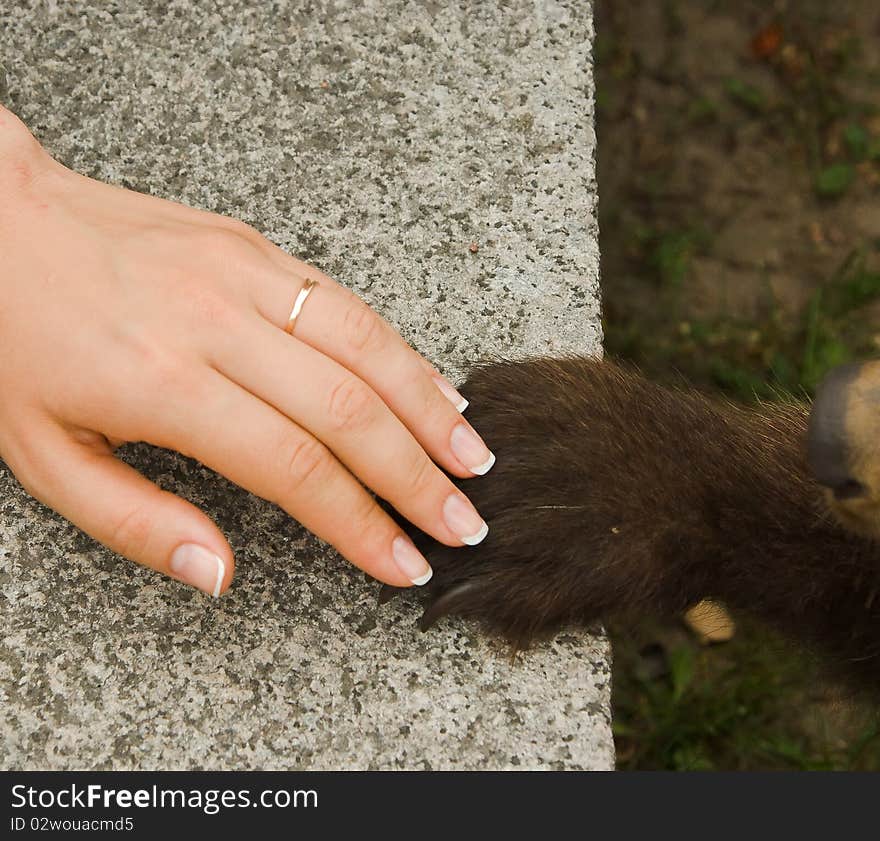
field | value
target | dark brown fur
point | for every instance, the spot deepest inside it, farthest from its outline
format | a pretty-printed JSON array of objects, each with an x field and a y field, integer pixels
[{"x": 613, "y": 495}]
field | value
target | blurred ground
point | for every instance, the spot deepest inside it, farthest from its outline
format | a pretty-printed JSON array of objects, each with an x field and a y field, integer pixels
[{"x": 739, "y": 164}]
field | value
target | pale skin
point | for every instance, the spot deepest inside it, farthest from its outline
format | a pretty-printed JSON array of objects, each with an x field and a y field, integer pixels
[{"x": 126, "y": 317}]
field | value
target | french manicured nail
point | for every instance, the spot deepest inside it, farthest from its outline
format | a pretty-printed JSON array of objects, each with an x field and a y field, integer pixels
[
  {"x": 470, "y": 450},
  {"x": 463, "y": 520},
  {"x": 199, "y": 567},
  {"x": 410, "y": 561},
  {"x": 451, "y": 393}
]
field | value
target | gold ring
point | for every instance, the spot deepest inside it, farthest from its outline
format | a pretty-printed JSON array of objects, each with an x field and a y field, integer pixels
[{"x": 298, "y": 304}]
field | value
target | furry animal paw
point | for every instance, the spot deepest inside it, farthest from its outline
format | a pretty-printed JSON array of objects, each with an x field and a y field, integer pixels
[
  {"x": 574, "y": 531},
  {"x": 614, "y": 495}
]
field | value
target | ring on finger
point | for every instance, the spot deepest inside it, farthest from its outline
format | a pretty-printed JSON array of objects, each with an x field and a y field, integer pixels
[{"x": 298, "y": 304}]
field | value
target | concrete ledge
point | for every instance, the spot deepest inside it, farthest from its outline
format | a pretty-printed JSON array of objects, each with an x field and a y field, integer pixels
[{"x": 378, "y": 140}]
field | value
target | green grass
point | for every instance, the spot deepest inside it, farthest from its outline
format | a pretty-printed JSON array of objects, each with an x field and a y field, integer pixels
[
  {"x": 835, "y": 180},
  {"x": 752, "y": 359},
  {"x": 745, "y": 705},
  {"x": 672, "y": 252},
  {"x": 748, "y": 96},
  {"x": 858, "y": 141}
]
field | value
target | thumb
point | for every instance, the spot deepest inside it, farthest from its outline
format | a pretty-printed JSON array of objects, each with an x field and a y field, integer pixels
[{"x": 112, "y": 502}]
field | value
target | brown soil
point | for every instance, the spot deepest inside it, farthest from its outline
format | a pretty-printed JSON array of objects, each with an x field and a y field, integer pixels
[
  {"x": 726, "y": 133},
  {"x": 739, "y": 174}
]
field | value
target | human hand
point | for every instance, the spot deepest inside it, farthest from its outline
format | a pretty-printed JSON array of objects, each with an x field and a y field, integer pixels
[{"x": 130, "y": 318}]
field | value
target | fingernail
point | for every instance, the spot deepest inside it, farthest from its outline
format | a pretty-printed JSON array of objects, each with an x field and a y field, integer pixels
[
  {"x": 199, "y": 567},
  {"x": 410, "y": 561},
  {"x": 470, "y": 450},
  {"x": 450, "y": 393},
  {"x": 463, "y": 520}
]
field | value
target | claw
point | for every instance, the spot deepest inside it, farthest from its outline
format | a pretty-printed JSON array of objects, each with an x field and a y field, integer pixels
[
  {"x": 387, "y": 592},
  {"x": 448, "y": 603}
]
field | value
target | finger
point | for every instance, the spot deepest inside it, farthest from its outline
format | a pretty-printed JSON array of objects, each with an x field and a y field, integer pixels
[
  {"x": 117, "y": 506},
  {"x": 345, "y": 414},
  {"x": 257, "y": 447},
  {"x": 340, "y": 325},
  {"x": 447, "y": 389}
]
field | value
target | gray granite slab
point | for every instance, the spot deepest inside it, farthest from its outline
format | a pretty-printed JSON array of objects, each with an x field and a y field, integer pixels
[{"x": 378, "y": 140}]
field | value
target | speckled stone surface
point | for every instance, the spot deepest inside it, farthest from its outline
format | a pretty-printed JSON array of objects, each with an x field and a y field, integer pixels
[{"x": 377, "y": 139}]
